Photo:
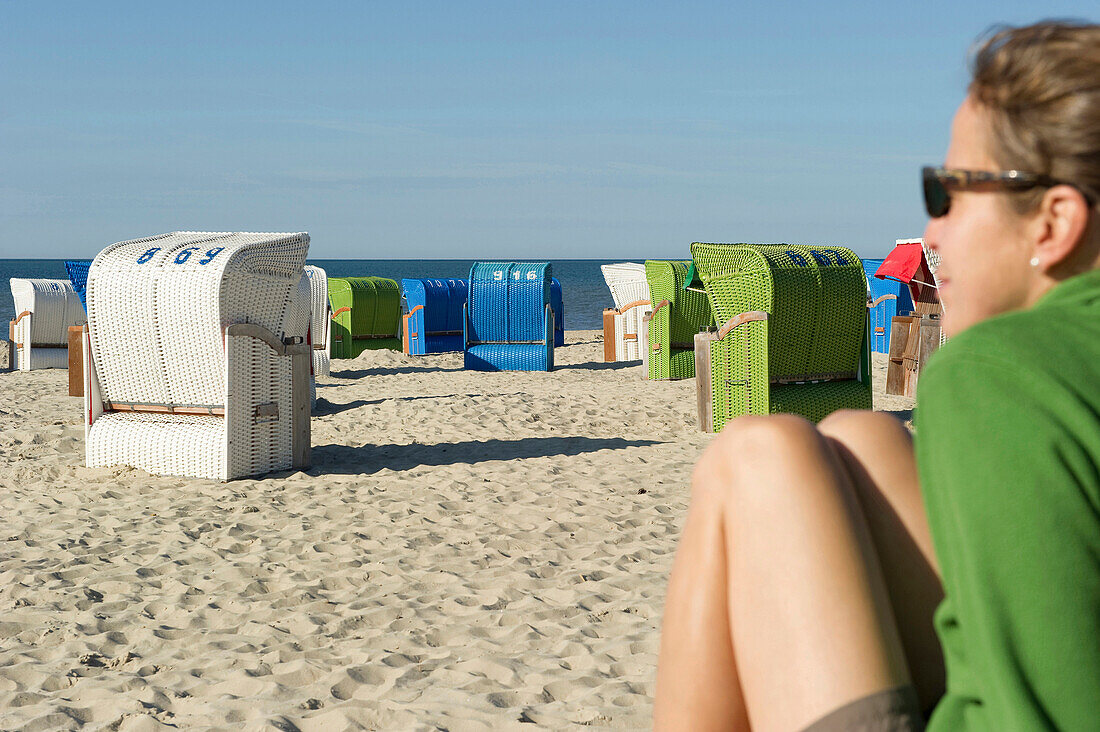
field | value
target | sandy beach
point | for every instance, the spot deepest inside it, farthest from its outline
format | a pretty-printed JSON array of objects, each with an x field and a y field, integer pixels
[{"x": 469, "y": 551}]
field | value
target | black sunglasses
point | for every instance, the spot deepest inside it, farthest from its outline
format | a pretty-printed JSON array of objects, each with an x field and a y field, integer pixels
[{"x": 939, "y": 182}]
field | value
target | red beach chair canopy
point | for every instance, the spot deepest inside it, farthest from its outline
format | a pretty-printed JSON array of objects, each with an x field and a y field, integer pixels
[
  {"x": 902, "y": 264},
  {"x": 907, "y": 264}
]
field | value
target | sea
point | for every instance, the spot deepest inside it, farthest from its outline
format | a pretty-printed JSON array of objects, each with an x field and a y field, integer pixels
[{"x": 584, "y": 292}]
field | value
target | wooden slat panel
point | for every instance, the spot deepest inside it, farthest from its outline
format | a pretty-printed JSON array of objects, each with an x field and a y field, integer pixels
[
  {"x": 704, "y": 398},
  {"x": 76, "y": 360},
  {"x": 899, "y": 338},
  {"x": 608, "y": 335}
]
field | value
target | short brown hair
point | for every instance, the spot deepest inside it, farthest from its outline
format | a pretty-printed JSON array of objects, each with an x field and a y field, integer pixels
[{"x": 1040, "y": 85}]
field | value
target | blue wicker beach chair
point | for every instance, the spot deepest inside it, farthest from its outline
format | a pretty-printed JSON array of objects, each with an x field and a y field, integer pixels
[
  {"x": 885, "y": 299},
  {"x": 78, "y": 275},
  {"x": 432, "y": 315},
  {"x": 509, "y": 323}
]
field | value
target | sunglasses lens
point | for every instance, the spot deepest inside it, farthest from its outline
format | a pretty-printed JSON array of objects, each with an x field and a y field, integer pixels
[{"x": 936, "y": 198}]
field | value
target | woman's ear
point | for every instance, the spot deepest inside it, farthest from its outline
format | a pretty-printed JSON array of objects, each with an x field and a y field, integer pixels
[{"x": 1059, "y": 229}]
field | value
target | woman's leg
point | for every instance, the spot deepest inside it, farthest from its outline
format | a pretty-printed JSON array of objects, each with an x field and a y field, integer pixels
[
  {"x": 697, "y": 684},
  {"x": 776, "y": 604},
  {"x": 877, "y": 452}
]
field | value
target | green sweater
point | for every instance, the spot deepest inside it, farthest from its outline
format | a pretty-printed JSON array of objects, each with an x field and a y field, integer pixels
[{"x": 1008, "y": 449}]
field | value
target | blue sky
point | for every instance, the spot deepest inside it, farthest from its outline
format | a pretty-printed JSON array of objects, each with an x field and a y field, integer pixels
[{"x": 409, "y": 129}]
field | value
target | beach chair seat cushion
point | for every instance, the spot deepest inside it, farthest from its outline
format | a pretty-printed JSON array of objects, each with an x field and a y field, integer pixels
[
  {"x": 162, "y": 444},
  {"x": 507, "y": 357}
]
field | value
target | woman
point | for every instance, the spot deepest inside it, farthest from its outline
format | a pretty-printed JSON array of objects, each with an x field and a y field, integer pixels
[{"x": 803, "y": 590}]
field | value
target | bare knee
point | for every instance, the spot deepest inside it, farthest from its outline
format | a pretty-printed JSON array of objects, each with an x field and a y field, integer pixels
[
  {"x": 748, "y": 449},
  {"x": 862, "y": 431}
]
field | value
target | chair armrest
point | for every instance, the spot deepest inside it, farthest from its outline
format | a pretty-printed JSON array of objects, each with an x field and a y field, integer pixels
[
  {"x": 881, "y": 299},
  {"x": 741, "y": 319},
  {"x": 299, "y": 353},
  {"x": 649, "y": 316},
  {"x": 630, "y": 305},
  {"x": 295, "y": 348}
]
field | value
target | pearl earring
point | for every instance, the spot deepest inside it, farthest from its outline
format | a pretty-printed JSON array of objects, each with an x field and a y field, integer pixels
[{"x": 1034, "y": 262}]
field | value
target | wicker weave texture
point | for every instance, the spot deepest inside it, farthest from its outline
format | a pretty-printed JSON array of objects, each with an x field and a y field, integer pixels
[
  {"x": 817, "y": 401},
  {"x": 433, "y": 314},
  {"x": 815, "y": 297},
  {"x": 933, "y": 259},
  {"x": 320, "y": 322},
  {"x": 557, "y": 304},
  {"x": 629, "y": 287},
  {"x": 256, "y": 377},
  {"x": 513, "y": 357},
  {"x": 673, "y": 327},
  {"x": 627, "y": 282},
  {"x": 78, "y": 276},
  {"x": 372, "y": 319},
  {"x": 157, "y": 308},
  {"x": 53, "y": 306},
  {"x": 322, "y": 363},
  {"x": 816, "y": 329},
  {"x": 318, "y": 304},
  {"x": 158, "y": 312},
  {"x": 162, "y": 444},
  {"x": 509, "y": 324}
]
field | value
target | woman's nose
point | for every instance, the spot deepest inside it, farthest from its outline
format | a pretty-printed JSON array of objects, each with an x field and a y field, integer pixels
[{"x": 932, "y": 233}]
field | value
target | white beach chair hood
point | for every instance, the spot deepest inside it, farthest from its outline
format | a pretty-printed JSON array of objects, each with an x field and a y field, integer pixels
[{"x": 194, "y": 347}]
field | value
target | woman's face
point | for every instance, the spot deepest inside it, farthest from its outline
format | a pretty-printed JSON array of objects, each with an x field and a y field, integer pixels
[{"x": 984, "y": 255}]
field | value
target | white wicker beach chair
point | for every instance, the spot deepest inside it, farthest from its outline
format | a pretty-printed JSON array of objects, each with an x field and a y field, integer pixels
[
  {"x": 39, "y": 335},
  {"x": 625, "y": 333},
  {"x": 195, "y": 360},
  {"x": 933, "y": 258},
  {"x": 320, "y": 322}
]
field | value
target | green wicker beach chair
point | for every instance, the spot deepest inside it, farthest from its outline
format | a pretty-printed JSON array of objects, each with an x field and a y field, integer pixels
[
  {"x": 366, "y": 315},
  {"x": 793, "y": 333},
  {"x": 677, "y": 315}
]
